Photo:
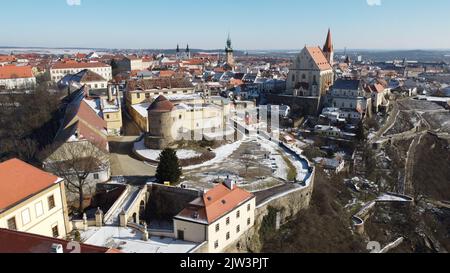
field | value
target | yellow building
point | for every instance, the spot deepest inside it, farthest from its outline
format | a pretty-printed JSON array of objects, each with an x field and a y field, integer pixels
[
  {"x": 32, "y": 200},
  {"x": 139, "y": 91},
  {"x": 220, "y": 217}
]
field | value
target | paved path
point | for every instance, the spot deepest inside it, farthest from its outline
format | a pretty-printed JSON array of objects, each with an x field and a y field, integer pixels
[
  {"x": 123, "y": 163},
  {"x": 265, "y": 195}
]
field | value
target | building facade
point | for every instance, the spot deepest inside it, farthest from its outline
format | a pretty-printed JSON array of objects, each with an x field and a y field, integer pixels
[
  {"x": 32, "y": 200},
  {"x": 16, "y": 77},
  {"x": 311, "y": 74},
  {"x": 220, "y": 217},
  {"x": 62, "y": 68}
]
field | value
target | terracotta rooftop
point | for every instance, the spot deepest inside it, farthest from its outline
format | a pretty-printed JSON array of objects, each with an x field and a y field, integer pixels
[
  {"x": 15, "y": 72},
  {"x": 328, "y": 47},
  {"x": 19, "y": 180},
  {"x": 318, "y": 57},
  {"x": 24, "y": 243},
  {"x": 74, "y": 64},
  {"x": 216, "y": 203},
  {"x": 7, "y": 58},
  {"x": 159, "y": 83},
  {"x": 161, "y": 104}
]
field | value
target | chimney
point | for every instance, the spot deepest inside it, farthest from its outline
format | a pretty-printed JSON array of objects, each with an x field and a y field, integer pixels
[
  {"x": 57, "y": 248},
  {"x": 110, "y": 94},
  {"x": 230, "y": 183}
]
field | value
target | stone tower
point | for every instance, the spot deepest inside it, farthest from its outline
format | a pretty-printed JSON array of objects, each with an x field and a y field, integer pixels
[
  {"x": 328, "y": 49},
  {"x": 229, "y": 52}
]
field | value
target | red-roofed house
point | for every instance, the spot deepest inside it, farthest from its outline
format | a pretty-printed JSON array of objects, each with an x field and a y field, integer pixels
[
  {"x": 32, "y": 200},
  {"x": 16, "y": 77},
  {"x": 24, "y": 243},
  {"x": 219, "y": 217},
  {"x": 65, "y": 67}
]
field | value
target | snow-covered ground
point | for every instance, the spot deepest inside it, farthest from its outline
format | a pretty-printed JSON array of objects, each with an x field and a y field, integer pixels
[
  {"x": 153, "y": 155},
  {"x": 391, "y": 198},
  {"x": 129, "y": 240},
  {"x": 221, "y": 153}
]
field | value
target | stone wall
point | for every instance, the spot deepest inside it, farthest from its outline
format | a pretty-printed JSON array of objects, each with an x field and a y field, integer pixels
[
  {"x": 287, "y": 206},
  {"x": 300, "y": 106},
  {"x": 165, "y": 202}
]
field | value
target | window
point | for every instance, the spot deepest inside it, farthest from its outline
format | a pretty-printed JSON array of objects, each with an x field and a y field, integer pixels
[
  {"x": 12, "y": 224},
  {"x": 216, "y": 244},
  {"x": 51, "y": 202},
  {"x": 238, "y": 229},
  {"x": 228, "y": 221},
  {"x": 39, "y": 209},
  {"x": 26, "y": 219},
  {"x": 249, "y": 221},
  {"x": 238, "y": 214},
  {"x": 228, "y": 236},
  {"x": 138, "y": 95},
  {"x": 96, "y": 176},
  {"x": 217, "y": 227},
  {"x": 55, "y": 231},
  {"x": 249, "y": 207}
]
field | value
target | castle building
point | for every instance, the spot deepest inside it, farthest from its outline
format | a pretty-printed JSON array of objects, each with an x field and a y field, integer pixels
[
  {"x": 169, "y": 121},
  {"x": 311, "y": 74}
]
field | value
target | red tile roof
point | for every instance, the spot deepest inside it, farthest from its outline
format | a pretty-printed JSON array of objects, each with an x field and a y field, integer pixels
[
  {"x": 328, "y": 47},
  {"x": 74, "y": 64},
  {"x": 318, "y": 57},
  {"x": 19, "y": 180},
  {"x": 7, "y": 59},
  {"x": 15, "y": 72},
  {"x": 24, "y": 243},
  {"x": 161, "y": 104},
  {"x": 216, "y": 203}
]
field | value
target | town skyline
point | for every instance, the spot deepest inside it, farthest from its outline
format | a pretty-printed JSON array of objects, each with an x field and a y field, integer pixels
[{"x": 262, "y": 26}]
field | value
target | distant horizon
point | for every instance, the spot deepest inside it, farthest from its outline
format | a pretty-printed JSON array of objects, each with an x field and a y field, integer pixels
[
  {"x": 253, "y": 25},
  {"x": 220, "y": 49}
]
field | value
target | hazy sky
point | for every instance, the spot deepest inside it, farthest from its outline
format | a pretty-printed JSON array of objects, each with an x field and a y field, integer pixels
[{"x": 253, "y": 24}]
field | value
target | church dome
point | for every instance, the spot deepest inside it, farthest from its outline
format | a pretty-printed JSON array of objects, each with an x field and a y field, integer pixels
[{"x": 161, "y": 104}]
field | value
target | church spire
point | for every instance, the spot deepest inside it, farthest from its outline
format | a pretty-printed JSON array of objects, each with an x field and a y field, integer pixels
[
  {"x": 328, "y": 47},
  {"x": 178, "y": 48}
]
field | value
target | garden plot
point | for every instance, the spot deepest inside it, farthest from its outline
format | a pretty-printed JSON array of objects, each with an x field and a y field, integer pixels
[{"x": 254, "y": 164}]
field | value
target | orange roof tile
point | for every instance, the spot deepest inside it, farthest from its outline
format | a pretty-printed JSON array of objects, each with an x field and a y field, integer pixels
[
  {"x": 75, "y": 64},
  {"x": 318, "y": 57},
  {"x": 216, "y": 203},
  {"x": 15, "y": 72},
  {"x": 19, "y": 180},
  {"x": 24, "y": 243}
]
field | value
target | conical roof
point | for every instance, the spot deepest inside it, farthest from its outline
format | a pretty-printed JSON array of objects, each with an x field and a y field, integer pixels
[
  {"x": 161, "y": 104},
  {"x": 328, "y": 47}
]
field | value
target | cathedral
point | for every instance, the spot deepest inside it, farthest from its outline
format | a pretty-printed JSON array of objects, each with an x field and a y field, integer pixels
[
  {"x": 311, "y": 74},
  {"x": 186, "y": 55}
]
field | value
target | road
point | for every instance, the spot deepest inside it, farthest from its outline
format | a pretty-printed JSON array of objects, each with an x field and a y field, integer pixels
[{"x": 123, "y": 162}]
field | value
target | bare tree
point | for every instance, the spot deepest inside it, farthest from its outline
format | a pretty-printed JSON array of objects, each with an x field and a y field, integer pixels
[
  {"x": 246, "y": 160},
  {"x": 75, "y": 162}
]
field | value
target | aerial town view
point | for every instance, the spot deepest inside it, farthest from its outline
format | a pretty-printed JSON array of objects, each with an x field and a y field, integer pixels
[{"x": 196, "y": 127}]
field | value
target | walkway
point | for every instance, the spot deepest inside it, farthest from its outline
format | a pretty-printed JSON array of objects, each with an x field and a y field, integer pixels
[
  {"x": 123, "y": 162},
  {"x": 113, "y": 219}
]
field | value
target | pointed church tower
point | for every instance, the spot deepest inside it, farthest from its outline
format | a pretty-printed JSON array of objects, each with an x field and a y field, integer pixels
[
  {"x": 229, "y": 52},
  {"x": 328, "y": 49}
]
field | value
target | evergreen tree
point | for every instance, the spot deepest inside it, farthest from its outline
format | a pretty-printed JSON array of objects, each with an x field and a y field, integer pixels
[
  {"x": 169, "y": 169},
  {"x": 360, "y": 133}
]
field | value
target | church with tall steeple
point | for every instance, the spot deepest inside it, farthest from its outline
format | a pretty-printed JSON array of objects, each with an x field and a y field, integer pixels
[
  {"x": 328, "y": 49},
  {"x": 311, "y": 74},
  {"x": 186, "y": 55},
  {"x": 229, "y": 52}
]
